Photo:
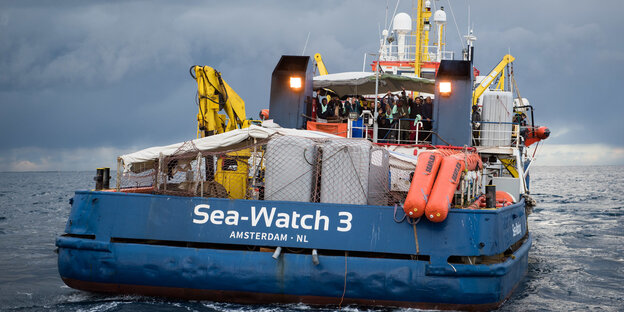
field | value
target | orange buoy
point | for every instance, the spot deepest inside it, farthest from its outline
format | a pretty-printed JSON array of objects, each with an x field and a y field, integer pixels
[
  {"x": 444, "y": 188},
  {"x": 422, "y": 182}
]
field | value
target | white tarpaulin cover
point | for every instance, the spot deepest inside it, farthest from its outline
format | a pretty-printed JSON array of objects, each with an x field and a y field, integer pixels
[
  {"x": 352, "y": 83},
  {"x": 217, "y": 142}
]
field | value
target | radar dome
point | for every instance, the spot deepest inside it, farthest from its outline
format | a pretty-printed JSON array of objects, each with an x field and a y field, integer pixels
[
  {"x": 402, "y": 23},
  {"x": 439, "y": 16}
]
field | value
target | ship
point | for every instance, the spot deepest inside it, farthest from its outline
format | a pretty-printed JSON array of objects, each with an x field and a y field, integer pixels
[{"x": 290, "y": 210}]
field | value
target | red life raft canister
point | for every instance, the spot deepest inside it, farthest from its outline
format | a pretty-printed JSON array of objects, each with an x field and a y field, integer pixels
[
  {"x": 446, "y": 183},
  {"x": 442, "y": 193},
  {"x": 422, "y": 182}
]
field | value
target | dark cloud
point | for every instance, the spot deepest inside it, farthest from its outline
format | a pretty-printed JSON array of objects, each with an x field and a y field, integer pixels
[{"x": 79, "y": 74}]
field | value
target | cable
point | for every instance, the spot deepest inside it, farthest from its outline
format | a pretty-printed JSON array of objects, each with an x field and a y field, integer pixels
[
  {"x": 457, "y": 27},
  {"x": 344, "y": 290}
]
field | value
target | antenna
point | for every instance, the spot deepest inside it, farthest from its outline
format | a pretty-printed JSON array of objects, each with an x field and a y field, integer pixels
[
  {"x": 386, "y": 21},
  {"x": 306, "y": 44},
  {"x": 393, "y": 14},
  {"x": 469, "y": 18}
]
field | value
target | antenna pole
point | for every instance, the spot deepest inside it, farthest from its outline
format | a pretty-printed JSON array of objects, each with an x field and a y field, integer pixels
[{"x": 306, "y": 44}]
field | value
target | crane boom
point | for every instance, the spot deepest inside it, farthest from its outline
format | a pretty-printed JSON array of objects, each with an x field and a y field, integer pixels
[
  {"x": 214, "y": 95},
  {"x": 319, "y": 63},
  {"x": 485, "y": 83}
]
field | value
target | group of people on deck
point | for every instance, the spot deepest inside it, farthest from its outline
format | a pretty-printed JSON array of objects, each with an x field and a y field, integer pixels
[
  {"x": 399, "y": 116},
  {"x": 337, "y": 109}
]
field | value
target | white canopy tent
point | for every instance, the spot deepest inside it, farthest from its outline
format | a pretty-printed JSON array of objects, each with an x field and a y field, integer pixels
[
  {"x": 217, "y": 142},
  {"x": 352, "y": 83}
]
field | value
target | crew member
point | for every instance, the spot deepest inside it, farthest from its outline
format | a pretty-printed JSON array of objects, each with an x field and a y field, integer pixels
[{"x": 476, "y": 125}]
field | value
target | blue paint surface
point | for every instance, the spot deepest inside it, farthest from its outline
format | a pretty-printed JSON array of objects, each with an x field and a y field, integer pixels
[
  {"x": 370, "y": 228},
  {"x": 115, "y": 216},
  {"x": 295, "y": 274}
]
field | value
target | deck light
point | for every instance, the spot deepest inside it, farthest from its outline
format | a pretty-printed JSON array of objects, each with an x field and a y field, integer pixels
[
  {"x": 295, "y": 82},
  {"x": 445, "y": 88}
]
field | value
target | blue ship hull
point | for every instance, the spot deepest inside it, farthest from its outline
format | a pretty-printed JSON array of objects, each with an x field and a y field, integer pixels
[{"x": 184, "y": 247}]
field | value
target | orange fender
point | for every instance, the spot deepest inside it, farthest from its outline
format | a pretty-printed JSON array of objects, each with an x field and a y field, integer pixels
[
  {"x": 422, "y": 182},
  {"x": 444, "y": 188},
  {"x": 503, "y": 199}
]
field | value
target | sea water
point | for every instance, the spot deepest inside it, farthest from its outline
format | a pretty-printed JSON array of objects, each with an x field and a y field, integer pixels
[{"x": 576, "y": 262}]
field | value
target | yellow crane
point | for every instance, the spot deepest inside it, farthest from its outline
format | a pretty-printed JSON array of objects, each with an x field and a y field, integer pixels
[
  {"x": 320, "y": 65},
  {"x": 214, "y": 95},
  {"x": 485, "y": 83}
]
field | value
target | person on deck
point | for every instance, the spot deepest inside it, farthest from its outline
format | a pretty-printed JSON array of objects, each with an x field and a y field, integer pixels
[
  {"x": 403, "y": 122},
  {"x": 324, "y": 110},
  {"x": 344, "y": 109},
  {"x": 382, "y": 121},
  {"x": 476, "y": 125},
  {"x": 415, "y": 116},
  {"x": 336, "y": 104},
  {"x": 353, "y": 105},
  {"x": 427, "y": 115}
]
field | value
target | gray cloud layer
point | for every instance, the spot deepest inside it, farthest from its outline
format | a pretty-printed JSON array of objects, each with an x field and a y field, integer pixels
[{"x": 81, "y": 74}]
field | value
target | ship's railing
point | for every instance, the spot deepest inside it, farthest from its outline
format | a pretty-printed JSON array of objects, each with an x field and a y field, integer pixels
[
  {"x": 391, "y": 52},
  {"x": 431, "y": 56},
  {"x": 398, "y": 131},
  {"x": 405, "y": 131}
]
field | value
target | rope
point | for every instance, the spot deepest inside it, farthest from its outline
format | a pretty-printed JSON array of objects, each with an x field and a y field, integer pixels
[
  {"x": 415, "y": 221},
  {"x": 416, "y": 237},
  {"x": 443, "y": 140},
  {"x": 394, "y": 216},
  {"x": 535, "y": 150},
  {"x": 344, "y": 290}
]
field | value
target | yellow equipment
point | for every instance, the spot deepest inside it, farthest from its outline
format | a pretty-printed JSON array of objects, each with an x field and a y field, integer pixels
[
  {"x": 485, "y": 83},
  {"x": 320, "y": 65},
  {"x": 510, "y": 165},
  {"x": 232, "y": 173},
  {"x": 423, "y": 14},
  {"x": 214, "y": 95}
]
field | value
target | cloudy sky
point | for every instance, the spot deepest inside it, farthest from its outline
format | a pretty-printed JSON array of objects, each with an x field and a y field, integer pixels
[{"x": 82, "y": 81}]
